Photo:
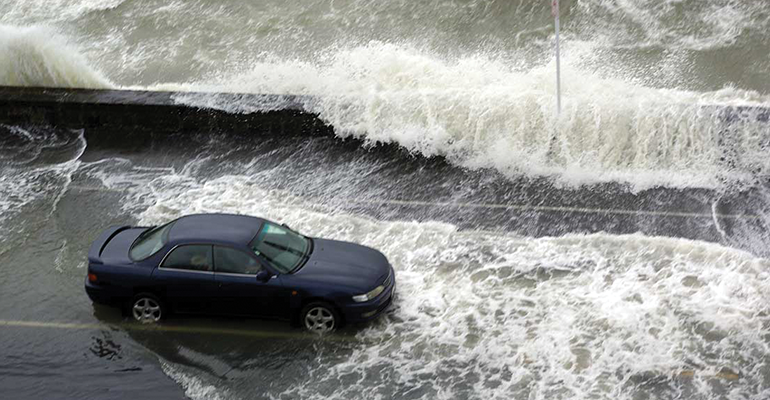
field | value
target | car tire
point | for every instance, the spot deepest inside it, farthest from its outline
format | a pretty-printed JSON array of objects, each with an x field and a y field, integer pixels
[
  {"x": 146, "y": 308},
  {"x": 320, "y": 317}
]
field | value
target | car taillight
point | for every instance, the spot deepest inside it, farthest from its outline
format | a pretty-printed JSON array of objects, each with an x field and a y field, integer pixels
[{"x": 92, "y": 277}]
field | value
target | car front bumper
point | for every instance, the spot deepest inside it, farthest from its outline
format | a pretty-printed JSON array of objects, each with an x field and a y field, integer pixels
[{"x": 367, "y": 311}]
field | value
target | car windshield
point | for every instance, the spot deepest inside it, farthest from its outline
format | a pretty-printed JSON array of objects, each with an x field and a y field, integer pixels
[
  {"x": 283, "y": 248},
  {"x": 149, "y": 242}
]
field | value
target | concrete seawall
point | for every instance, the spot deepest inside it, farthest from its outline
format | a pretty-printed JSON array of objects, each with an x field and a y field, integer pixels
[
  {"x": 83, "y": 108},
  {"x": 158, "y": 111},
  {"x": 132, "y": 112}
]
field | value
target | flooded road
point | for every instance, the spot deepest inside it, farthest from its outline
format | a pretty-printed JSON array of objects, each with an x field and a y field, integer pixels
[{"x": 593, "y": 292}]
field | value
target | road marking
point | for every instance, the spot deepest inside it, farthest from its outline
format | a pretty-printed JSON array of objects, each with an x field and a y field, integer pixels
[
  {"x": 167, "y": 328},
  {"x": 251, "y": 333},
  {"x": 517, "y": 207}
]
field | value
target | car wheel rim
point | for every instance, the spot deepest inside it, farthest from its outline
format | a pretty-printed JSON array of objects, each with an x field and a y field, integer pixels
[
  {"x": 319, "y": 320},
  {"x": 146, "y": 310}
]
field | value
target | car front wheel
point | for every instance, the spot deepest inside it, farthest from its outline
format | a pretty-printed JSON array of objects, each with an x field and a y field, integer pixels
[
  {"x": 319, "y": 318},
  {"x": 147, "y": 308}
]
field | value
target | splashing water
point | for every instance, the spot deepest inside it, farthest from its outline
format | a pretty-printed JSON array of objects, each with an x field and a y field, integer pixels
[{"x": 489, "y": 315}]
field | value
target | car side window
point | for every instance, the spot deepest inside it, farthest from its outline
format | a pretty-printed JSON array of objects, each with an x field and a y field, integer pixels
[
  {"x": 190, "y": 257},
  {"x": 234, "y": 261}
]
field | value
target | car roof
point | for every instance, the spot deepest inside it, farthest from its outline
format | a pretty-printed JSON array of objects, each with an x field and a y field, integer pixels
[{"x": 209, "y": 228}]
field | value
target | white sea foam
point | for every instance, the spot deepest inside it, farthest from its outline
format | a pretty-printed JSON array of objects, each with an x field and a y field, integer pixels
[
  {"x": 36, "y": 10},
  {"x": 41, "y": 167},
  {"x": 475, "y": 110},
  {"x": 486, "y": 315},
  {"x": 39, "y": 56},
  {"x": 194, "y": 387},
  {"x": 480, "y": 113}
]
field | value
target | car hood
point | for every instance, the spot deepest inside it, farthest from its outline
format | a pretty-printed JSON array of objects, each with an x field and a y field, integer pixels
[{"x": 343, "y": 263}]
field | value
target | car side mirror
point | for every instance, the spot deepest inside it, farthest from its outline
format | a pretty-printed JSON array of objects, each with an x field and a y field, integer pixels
[{"x": 264, "y": 275}]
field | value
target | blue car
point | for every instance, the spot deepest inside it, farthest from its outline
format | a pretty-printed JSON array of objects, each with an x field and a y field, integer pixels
[{"x": 241, "y": 266}]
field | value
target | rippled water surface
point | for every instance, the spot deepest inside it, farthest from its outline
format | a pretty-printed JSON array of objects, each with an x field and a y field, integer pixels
[{"x": 617, "y": 250}]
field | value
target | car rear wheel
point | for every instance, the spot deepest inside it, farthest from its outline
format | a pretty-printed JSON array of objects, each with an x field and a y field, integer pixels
[
  {"x": 319, "y": 318},
  {"x": 147, "y": 308}
]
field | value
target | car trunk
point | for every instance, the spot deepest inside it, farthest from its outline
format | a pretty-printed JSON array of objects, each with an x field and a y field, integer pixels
[{"x": 113, "y": 244}]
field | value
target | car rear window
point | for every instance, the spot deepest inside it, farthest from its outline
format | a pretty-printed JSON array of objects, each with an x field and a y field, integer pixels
[{"x": 149, "y": 242}]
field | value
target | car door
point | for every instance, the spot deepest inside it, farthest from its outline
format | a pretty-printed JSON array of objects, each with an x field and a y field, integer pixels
[
  {"x": 186, "y": 275},
  {"x": 241, "y": 293}
]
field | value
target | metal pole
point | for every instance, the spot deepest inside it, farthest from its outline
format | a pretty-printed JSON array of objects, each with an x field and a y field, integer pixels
[{"x": 555, "y": 13}]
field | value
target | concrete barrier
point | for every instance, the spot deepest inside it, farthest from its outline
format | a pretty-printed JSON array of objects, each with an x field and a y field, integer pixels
[
  {"x": 161, "y": 112},
  {"x": 142, "y": 111}
]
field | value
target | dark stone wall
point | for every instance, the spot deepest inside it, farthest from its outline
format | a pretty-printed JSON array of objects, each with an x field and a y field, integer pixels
[
  {"x": 130, "y": 111},
  {"x": 121, "y": 110}
]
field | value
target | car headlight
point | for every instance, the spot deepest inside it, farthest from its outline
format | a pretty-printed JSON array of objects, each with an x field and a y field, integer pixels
[{"x": 368, "y": 296}]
